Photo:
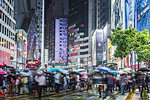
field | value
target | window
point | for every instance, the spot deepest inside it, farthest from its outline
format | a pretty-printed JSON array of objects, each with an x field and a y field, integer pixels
[
  {"x": 83, "y": 53},
  {"x": 2, "y": 29},
  {"x": 84, "y": 47},
  {"x": 2, "y": 41}
]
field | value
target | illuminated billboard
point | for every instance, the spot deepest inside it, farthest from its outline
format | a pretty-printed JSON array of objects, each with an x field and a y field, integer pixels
[{"x": 143, "y": 7}]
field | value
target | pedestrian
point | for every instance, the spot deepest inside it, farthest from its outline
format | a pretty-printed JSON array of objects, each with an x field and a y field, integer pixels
[
  {"x": 57, "y": 82},
  {"x": 24, "y": 88},
  {"x": 89, "y": 83},
  {"x": 118, "y": 87},
  {"x": 11, "y": 79},
  {"x": 147, "y": 80},
  {"x": 1, "y": 83},
  {"x": 41, "y": 83},
  {"x": 73, "y": 82},
  {"x": 123, "y": 83}
]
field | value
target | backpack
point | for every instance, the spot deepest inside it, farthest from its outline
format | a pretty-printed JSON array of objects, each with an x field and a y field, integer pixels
[{"x": 24, "y": 80}]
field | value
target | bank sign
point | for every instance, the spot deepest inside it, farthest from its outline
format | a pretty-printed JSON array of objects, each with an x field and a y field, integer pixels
[{"x": 143, "y": 7}]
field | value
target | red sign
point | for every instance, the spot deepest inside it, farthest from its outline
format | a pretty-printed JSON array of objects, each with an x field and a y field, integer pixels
[
  {"x": 74, "y": 54},
  {"x": 4, "y": 57}
]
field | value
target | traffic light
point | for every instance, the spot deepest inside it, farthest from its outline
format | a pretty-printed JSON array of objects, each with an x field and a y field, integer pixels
[{"x": 2, "y": 65}]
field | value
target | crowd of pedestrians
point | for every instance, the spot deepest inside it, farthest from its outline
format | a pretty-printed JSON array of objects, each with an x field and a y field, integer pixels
[{"x": 104, "y": 83}]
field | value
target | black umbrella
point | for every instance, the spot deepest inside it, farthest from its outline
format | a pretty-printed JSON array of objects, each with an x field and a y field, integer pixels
[{"x": 144, "y": 69}]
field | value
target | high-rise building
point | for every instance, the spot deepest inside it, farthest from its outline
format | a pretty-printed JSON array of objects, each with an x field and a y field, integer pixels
[
  {"x": 61, "y": 40},
  {"x": 78, "y": 50},
  {"x": 7, "y": 32},
  {"x": 34, "y": 31},
  {"x": 21, "y": 44},
  {"x": 54, "y": 14},
  {"x": 143, "y": 9}
]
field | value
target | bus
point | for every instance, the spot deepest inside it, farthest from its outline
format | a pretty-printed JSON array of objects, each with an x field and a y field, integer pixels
[{"x": 33, "y": 64}]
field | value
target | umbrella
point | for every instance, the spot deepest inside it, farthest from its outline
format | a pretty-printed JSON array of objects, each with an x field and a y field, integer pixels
[
  {"x": 103, "y": 69},
  {"x": 26, "y": 70},
  {"x": 37, "y": 73},
  {"x": 54, "y": 69},
  {"x": 80, "y": 70},
  {"x": 82, "y": 73},
  {"x": 3, "y": 72},
  {"x": 24, "y": 74},
  {"x": 73, "y": 72},
  {"x": 113, "y": 72},
  {"x": 42, "y": 69},
  {"x": 144, "y": 69},
  {"x": 64, "y": 71},
  {"x": 127, "y": 69}
]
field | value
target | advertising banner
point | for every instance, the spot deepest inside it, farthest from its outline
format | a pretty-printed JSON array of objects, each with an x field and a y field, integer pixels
[{"x": 4, "y": 58}]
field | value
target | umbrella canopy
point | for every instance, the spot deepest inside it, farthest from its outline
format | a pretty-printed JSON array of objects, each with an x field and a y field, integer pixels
[
  {"x": 42, "y": 69},
  {"x": 26, "y": 70},
  {"x": 127, "y": 69},
  {"x": 3, "y": 72},
  {"x": 104, "y": 69},
  {"x": 73, "y": 72},
  {"x": 144, "y": 69},
  {"x": 113, "y": 72},
  {"x": 80, "y": 70},
  {"x": 54, "y": 69},
  {"x": 64, "y": 71},
  {"x": 24, "y": 74}
]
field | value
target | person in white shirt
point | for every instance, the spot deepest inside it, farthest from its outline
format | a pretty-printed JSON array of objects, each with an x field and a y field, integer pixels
[
  {"x": 57, "y": 82},
  {"x": 41, "y": 83}
]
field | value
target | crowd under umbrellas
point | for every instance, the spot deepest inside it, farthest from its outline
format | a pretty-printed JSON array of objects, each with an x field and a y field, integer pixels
[{"x": 103, "y": 80}]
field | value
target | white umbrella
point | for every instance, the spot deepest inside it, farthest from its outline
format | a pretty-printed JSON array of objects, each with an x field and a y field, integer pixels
[
  {"x": 127, "y": 69},
  {"x": 24, "y": 74},
  {"x": 64, "y": 71}
]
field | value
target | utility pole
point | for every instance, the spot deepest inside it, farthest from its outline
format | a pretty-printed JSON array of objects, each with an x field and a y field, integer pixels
[{"x": 42, "y": 45}]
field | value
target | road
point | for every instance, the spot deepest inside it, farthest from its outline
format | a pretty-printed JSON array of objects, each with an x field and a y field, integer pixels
[{"x": 70, "y": 95}]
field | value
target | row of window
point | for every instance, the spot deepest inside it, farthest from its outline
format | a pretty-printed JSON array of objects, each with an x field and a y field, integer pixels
[
  {"x": 7, "y": 32},
  {"x": 5, "y": 6},
  {"x": 7, "y": 20},
  {"x": 6, "y": 44}
]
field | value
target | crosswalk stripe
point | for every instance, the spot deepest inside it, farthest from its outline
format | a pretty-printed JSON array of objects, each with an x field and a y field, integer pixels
[
  {"x": 67, "y": 96},
  {"x": 44, "y": 95},
  {"x": 82, "y": 96},
  {"x": 59, "y": 94}
]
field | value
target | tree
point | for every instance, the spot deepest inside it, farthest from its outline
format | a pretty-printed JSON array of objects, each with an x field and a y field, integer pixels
[{"x": 129, "y": 39}]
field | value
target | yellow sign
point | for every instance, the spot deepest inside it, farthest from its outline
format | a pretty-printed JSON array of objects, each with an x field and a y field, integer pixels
[{"x": 31, "y": 62}]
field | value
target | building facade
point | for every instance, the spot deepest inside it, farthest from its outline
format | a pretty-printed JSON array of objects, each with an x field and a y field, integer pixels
[
  {"x": 61, "y": 40},
  {"x": 78, "y": 50},
  {"x": 7, "y": 33},
  {"x": 143, "y": 8},
  {"x": 21, "y": 48}
]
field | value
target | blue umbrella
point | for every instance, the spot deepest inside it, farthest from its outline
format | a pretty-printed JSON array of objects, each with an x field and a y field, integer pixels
[
  {"x": 103, "y": 69},
  {"x": 113, "y": 72},
  {"x": 54, "y": 69},
  {"x": 26, "y": 70}
]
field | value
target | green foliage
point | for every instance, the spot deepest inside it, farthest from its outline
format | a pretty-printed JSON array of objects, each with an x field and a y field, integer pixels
[{"x": 128, "y": 39}]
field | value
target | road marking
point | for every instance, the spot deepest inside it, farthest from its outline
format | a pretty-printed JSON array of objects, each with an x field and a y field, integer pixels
[
  {"x": 37, "y": 95},
  {"x": 82, "y": 96},
  {"x": 59, "y": 94},
  {"x": 67, "y": 96}
]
